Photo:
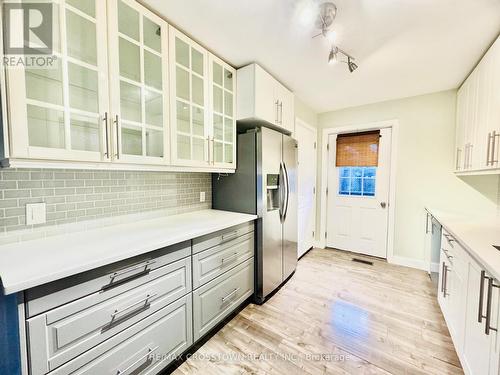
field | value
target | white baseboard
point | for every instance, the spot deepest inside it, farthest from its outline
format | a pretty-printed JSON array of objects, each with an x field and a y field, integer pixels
[
  {"x": 435, "y": 267},
  {"x": 319, "y": 245},
  {"x": 409, "y": 262}
]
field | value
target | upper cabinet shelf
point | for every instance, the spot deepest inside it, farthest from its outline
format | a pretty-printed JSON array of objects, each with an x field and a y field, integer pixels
[
  {"x": 478, "y": 118},
  {"x": 263, "y": 100},
  {"x": 128, "y": 91}
]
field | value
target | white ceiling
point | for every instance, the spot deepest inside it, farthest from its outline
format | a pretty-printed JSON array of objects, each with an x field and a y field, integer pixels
[{"x": 403, "y": 47}]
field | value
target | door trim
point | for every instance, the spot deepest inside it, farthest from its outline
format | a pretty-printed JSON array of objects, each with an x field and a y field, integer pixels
[
  {"x": 394, "y": 125},
  {"x": 306, "y": 125}
]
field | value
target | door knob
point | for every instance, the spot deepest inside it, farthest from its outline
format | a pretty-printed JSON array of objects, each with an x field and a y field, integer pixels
[{"x": 383, "y": 204}]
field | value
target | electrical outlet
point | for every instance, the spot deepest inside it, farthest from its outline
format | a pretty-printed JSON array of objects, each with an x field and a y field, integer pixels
[
  {"x": 35, "y": 213},
  {"x": 202, "y": 197}
]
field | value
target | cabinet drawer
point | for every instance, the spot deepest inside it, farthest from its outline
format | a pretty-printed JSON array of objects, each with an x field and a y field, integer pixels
[
  {"x": 62, "y": 334},
  {"x": 114, "y": 278},
  {"x": 213, "y": 262},
  {"x": 223, "y": 236},
  {"x": 217, "y": 299},
  {"x": 156, "y": 341}
]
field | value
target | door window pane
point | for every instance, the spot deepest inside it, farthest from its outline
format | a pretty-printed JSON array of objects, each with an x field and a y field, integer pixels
[
  {"x": 130, "y": 102},
  {"x": 228, "y": 130},
  {"x": 217, "y": 73},
  {"x": 45, "y": 127},
  {"x": 128, "y": 20},
  {"x": 152, "y": 70},
  {"x": 197, "y": 90},
  {"x": 217, "y": 98},
  {"x": 182, "y": 84},
  {"x": 357, "y": 181},
  {"x": 228, "y": 80},
  {"x": 45, "y": 85},
  {"x": 228, "y": 104},
  {"x": 218, "y": 125},
  {"x": 183, "y": 117},
  {"x": 228, "y": 153},
  {"x": 198, "y": 121},
  {"x": 154, "y": 143},
  {"x": 152, "y": 35},
  {"x": 197, "y": 61},
  {"x": 83, "y": 88},
  {"x": 86, "y": 6},
  {"x": 218, "y": 152},
  {"x": 130, "y": 60},
  {"x": 81, "y": 37},
  {"x": 131, "y": 140},
  {"x": 154, "y": 108},
  {"x": 182, "y": 53},
  {"x": 183, "y": 147},
  {"x": 198, "y": 149},
  {"x": 85, "y": 133}
]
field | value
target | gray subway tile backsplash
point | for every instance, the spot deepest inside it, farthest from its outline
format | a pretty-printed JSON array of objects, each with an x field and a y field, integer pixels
[{"x": 72, "y": 196}]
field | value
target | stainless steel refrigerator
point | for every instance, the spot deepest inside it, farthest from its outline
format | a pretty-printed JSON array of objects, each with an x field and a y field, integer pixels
[{"x": 265, "y": 184}]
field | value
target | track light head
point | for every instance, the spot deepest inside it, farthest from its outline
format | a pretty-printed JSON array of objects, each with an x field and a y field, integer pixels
[
  {"x": 333, "y": 56},
  {"x": 351, "y": 64}
]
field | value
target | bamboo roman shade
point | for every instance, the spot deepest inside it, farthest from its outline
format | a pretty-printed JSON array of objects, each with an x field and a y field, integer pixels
[{"x": 358, "y": 149}]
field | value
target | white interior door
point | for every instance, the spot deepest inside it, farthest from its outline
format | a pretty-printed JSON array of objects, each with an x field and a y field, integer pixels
[
  {"x": 306, "y": 136},
  {"x": 357, "y": 216}
]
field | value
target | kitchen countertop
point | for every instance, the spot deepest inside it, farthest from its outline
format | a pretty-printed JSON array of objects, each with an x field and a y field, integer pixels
[
  {"x": 24, "y": 265},
  {"x": 476, "y": 234}
]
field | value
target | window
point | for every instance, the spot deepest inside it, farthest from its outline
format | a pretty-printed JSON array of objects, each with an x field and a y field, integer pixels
[{"x": 357, "y": 181}]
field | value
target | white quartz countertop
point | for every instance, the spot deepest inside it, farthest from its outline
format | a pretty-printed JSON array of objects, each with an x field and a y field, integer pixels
[
  {"x": 477, "y": 234},
  {"x": 27, "y": 264}
]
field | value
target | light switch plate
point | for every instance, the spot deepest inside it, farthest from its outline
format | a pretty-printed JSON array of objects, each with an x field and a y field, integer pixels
[
  {"x": 202, "y": 196},
  {"x": 35, "y": 213}
]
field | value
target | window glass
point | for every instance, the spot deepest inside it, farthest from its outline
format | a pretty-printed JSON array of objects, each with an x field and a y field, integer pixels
[{"x": 357, "y": 181}]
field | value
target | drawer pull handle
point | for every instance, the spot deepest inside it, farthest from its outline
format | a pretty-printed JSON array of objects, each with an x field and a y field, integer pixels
[
  {"x": 133, "y": 268},
  {"x": 133, "y": 365},
  {"x": 230, "y": 236},
  {"x": 232, "y": 258},
  {"x": 232, "y": 294},
  {"x": 144, "y": 301}
]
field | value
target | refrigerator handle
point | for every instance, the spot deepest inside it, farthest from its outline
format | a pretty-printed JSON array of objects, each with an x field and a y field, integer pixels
[
  {"x": 281, "y": 185},
  {"x": 287, "y": 192}
]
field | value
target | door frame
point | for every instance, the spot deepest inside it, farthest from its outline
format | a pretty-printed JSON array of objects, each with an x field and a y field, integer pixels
[
  {"x": 394, "y": 125},
  {"x": 300, "y": 122}
]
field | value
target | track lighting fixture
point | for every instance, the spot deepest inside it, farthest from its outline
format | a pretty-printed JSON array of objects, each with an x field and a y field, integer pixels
[{"x": 324, "y": 21}]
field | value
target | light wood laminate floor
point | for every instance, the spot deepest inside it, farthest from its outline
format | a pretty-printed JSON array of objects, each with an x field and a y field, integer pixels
[{"x": 336, "y": 316}]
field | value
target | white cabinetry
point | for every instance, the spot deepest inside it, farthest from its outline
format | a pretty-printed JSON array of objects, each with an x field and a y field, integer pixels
[
  {"x": 60, "y": 112},
  {"x": 469, "y": 300},
  {"x": 478, "y": 117},
  {"x": 263, "y": 100}
]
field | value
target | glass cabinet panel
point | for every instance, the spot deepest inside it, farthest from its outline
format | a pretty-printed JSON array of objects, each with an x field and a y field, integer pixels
[
  {"x": 65, "y": 103},
  {"x": 222, "y": 81},
  {"x": 190, "y": 127},
  {"x": 141, "y": 62}
]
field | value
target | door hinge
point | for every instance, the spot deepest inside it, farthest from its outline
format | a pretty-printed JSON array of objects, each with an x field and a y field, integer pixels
[
  {"x": 326, "y": 234},
  {"x": 328, "y": 147},
  {"x": 313, "y": 233},
  {"x": 326, "y": 191},
  {"x": 315, "y": 145},
  {"x": 314, "y": 190}
]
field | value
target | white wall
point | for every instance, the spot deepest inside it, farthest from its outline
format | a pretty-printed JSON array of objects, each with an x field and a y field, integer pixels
[
  {"x": 305, "y": 113},
  {"x": 425, "y": 158}
]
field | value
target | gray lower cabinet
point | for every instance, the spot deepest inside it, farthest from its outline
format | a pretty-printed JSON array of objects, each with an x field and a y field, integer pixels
[
  {"x": 161, "y": 338},
  {"x": 218, "y": 298},
  {"x": 136, "y": 316}
]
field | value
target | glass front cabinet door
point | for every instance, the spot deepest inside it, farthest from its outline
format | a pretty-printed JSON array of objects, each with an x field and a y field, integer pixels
[
  {"x": 138, "y": 54},
  {"x": 223, "y": 106},
  {"x": 189, "y": 102},
  {"x": 61, "y": 111}
]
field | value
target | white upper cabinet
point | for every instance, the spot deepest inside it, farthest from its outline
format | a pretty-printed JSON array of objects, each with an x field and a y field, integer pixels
[
  {"x": 61, "y": 112},
  {"x": 189, "y": 101},
  {"x": 263, "y": 100},
  {"x": 478, "y": 117},
  {"x": 223, "y": 110},
  {"x": 138, "y": 48}
]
